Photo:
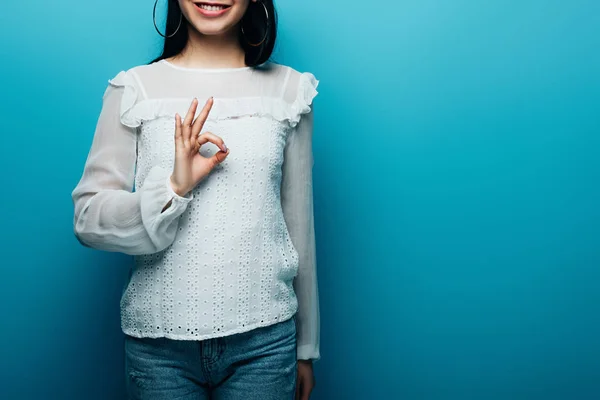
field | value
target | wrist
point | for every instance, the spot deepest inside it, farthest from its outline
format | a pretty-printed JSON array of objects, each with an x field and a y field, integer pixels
[{"x": 176, "y": 189}]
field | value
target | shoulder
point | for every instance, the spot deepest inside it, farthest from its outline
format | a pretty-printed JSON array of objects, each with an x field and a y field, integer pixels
[
  {"x": 157, "y": 67},
  {"x": 298, "y": 90},
  {"x": 133, "y": 75},
  {"x": 298, "y": 86},
  {"x": 132, "y": 90},
  {"x": 289, "y": 73}
]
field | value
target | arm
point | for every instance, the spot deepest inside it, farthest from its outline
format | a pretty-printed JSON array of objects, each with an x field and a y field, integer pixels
[
  {"x": 297, "y": 204},
  {"x": 108, "y": 215}
]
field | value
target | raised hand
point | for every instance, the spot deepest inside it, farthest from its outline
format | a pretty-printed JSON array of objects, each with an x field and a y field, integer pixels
[{"x": 190, "y": 166}]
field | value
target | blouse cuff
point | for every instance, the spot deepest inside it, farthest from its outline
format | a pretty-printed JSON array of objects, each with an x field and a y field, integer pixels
[
  {"x": 155, "y": 194},
  {"x": 308, "y": 352},
  {"x": 183, "y": 199}
]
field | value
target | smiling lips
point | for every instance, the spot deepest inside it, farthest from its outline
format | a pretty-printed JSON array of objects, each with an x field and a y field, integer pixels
[{"x": 211, "y": 9}]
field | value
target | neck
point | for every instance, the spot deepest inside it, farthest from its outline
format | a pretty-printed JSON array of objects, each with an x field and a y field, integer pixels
[{"x": 212, "y": 51}]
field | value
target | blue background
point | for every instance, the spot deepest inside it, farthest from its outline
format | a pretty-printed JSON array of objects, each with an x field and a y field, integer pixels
[{"x": 457, "y": 195}]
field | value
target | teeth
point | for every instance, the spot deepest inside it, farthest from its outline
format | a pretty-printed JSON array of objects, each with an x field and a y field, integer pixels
[{"x": 212, "y": 8}]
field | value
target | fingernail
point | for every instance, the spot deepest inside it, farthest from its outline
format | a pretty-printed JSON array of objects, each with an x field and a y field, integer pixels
[{"x": 224, "y": 148}]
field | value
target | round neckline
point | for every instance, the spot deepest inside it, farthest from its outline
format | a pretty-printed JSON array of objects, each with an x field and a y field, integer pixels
[{"x": 233, "y": 69}]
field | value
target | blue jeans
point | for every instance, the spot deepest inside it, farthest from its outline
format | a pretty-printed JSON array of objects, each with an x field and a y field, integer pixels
[{"x": 256, "y": 365}]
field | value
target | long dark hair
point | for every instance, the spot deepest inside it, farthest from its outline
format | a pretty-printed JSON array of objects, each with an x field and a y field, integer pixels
[{"x": 254, "y": 25}]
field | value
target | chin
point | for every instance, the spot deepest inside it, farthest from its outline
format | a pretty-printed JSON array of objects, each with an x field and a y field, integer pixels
[{"x": 212, "y": 29}]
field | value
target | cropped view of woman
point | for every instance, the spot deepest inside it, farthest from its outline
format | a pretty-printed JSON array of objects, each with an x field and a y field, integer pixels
[{"x": 201, "y": 168}]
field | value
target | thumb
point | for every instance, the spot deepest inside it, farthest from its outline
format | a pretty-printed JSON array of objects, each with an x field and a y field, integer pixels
[{"x": 219, "y": 157}]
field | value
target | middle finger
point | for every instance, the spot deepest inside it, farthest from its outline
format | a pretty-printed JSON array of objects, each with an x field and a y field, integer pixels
[{"x": 199, "y": 122}]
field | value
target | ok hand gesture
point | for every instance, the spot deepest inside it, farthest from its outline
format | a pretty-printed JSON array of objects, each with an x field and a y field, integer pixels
[{"x": 190, "y": 166}]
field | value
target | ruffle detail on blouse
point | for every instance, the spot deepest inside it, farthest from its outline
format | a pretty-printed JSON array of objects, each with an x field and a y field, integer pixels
[
  {"x": 134, "y": 113},
  {"x": 307, "y": 90},
  {"x": 128, "y": 100}
]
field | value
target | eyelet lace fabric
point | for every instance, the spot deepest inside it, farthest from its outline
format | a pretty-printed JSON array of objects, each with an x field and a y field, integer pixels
[{"x": 236, "y": 253}]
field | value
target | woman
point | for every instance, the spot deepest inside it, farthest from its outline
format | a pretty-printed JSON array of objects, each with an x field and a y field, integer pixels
[{"x": 200, "y": 167}]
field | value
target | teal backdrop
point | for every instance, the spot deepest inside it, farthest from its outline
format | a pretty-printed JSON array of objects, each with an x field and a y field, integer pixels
[{"x": 457, "y": 195}]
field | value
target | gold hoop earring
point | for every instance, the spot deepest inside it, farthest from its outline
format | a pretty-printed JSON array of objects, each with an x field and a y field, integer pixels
[
  {"x": 266, "y": 31},
  {"x": 156, "y": 27}
]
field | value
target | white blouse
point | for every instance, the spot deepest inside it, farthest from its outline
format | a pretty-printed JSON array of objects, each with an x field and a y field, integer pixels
[{"x": 237, "y": 252}]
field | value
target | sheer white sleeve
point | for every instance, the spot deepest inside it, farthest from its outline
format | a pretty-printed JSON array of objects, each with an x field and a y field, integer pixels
[
  {"x": 109, "y": 215},
  {"x": 297, "y": 204}
]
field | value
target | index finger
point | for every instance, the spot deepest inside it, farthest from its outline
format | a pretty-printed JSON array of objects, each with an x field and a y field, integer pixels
[{"x": 201, "y": 119}]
